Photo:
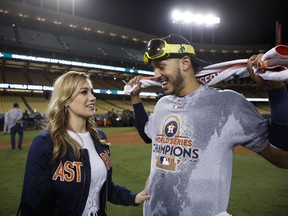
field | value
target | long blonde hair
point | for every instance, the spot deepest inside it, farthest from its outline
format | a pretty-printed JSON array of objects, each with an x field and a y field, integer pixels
[{"x": 63, "y": 90}]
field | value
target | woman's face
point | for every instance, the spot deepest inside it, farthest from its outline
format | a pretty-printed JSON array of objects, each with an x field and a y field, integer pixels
[{"x": 84, "y": 103}]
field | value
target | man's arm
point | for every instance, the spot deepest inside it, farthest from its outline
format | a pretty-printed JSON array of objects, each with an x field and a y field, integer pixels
[
  {"x": 278, "y": 99},
  {"x": 141, "y": 116},
  {"x": 277, "y": 152}
]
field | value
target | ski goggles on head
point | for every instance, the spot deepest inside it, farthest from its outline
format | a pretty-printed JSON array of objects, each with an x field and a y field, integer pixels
[{"x": 158, "y": 48}]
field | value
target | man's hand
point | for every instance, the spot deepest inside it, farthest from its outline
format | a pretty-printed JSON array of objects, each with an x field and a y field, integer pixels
[
  {"x": 135, "y": 98},
  {"x": 254, "y": 63}
]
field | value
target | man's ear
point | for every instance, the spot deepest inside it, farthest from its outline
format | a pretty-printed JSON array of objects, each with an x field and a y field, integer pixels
[{"x": 186, "y": 63}]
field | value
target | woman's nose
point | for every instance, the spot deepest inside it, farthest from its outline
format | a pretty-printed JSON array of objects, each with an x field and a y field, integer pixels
[{"x": 92, "y": 96}]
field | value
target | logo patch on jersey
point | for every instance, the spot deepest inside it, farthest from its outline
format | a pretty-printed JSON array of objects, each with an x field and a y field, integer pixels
[
  {"x": 171, "y": 128},
  {"x": 106, "y": 159},
  {"x": 173, "y": 146},
  {"x": 68, "y": 171},
  {"x": 179, "y": 106}
]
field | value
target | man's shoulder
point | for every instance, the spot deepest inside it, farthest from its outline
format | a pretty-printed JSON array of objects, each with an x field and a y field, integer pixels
[
  {"x": 165, "y": 98},
  {"x": 223, "y": 92}
]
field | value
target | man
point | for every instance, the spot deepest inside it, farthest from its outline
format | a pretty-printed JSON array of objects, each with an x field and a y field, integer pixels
[
  {"x": 194, "y": 129},
  {"x": 15, "y": 124}
]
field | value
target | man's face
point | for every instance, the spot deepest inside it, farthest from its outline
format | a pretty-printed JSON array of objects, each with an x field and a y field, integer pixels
[{"x": 168, "y": 73}]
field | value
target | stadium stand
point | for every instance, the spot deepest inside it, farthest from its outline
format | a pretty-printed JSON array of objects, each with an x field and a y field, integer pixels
[
  {"x": 7, "y": 103},
  {"x": 36, "y": 103},
  {"x": 7, "y": 34},
  {"x": 15, "y": 76},
  {"x": 37, "y": 77},
  {"x": 37, "y": 38}
]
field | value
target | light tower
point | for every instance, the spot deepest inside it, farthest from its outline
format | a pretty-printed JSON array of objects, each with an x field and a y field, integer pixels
[{"x": 189, "y": 18}]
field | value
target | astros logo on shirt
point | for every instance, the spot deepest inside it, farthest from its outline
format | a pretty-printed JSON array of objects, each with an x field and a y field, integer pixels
[{"x": 172, "y": 146}]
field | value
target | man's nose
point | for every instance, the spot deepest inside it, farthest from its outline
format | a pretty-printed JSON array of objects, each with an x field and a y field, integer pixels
[{"x": 157, "y": 73}]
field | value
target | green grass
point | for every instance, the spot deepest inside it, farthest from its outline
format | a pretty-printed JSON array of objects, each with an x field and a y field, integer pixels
[
  {"x": 258, "y": 188},
  {"x": 12, "y": 165}
]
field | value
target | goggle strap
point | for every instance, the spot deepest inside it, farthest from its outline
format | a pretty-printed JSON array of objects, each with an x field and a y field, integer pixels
[{"x": 180, "y": 48}]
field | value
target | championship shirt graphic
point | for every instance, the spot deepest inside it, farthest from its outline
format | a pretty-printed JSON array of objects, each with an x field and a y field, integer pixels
[{"x": 172, "y": 146}]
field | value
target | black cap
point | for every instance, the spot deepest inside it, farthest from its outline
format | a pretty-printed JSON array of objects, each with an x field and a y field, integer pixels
[{"x": 177, "y": 39}]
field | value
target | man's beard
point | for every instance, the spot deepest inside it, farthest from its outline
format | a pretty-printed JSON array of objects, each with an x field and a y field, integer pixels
[{"x": 177, "y": 83}]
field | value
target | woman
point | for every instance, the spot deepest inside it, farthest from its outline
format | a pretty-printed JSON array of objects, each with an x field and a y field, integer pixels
[{"x": 68, "y": 170}]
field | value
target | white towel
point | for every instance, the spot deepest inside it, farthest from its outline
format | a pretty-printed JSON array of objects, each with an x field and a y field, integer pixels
[
  {"x": 145, "y": 82},
  {"x": 274, "y": 67}
]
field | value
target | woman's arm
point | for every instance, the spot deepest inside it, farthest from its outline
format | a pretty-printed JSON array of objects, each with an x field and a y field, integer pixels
[{"x": 36, "y": 192}]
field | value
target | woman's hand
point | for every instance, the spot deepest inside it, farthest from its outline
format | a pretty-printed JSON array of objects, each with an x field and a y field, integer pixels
[{"x": 142, "y": 196}]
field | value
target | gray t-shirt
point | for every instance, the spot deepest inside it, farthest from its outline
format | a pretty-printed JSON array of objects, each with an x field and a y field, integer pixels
[{"x": 193, "y": 138}]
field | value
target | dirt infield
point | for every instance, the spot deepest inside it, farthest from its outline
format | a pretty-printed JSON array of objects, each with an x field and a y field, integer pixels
[
  {"x": 115, "y": 138},
  {"x": 127, "y": 138},
  {"x": 124, "y": 138}
]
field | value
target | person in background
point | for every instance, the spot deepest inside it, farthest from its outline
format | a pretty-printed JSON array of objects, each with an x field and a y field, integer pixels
[
  {"x": 113, "y": 117},
  {"x": 105, "y": 118},
  {"x": 25, "y": 119},
  {"x": 38, "y": 121},
  {"x": 6, "y": 129},
  {"x": 14, "y": 117},
  {"x": 68, "y": 169},
  {"x": 194, "y": 129}
]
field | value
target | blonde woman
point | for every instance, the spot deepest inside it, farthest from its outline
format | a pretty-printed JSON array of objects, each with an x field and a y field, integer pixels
[{"x": 68, "y": 170}]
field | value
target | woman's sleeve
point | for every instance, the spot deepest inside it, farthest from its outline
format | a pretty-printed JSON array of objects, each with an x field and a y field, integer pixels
[
  {"x": 120, "y": 195},
  {"x": 36, "y": 192},
  {"x": 117, "y": 194}
]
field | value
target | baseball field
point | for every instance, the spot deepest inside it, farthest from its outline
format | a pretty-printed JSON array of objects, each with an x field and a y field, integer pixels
[{"x": 258, "y": 188}]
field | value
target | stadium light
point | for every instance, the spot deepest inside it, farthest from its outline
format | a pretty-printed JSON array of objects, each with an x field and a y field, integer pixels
[{"x": 198, "y": 19}]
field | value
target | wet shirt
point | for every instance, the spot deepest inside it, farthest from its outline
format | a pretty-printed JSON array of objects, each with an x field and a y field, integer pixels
[{"x": 192, "y": 148}]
